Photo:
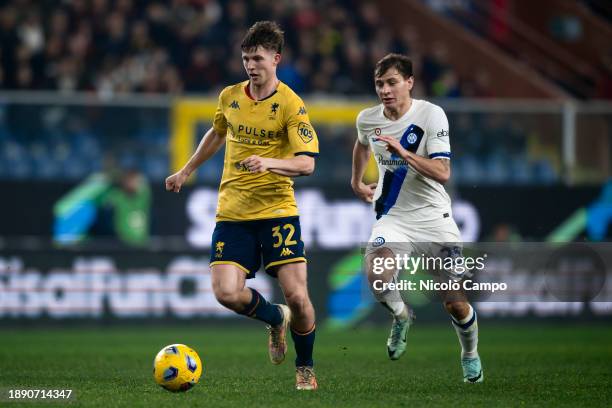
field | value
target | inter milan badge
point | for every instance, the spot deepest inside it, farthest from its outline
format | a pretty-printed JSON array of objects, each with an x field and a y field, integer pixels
[
  {"x": 378, "y": 242},
  {"x": 412, "y": 138}
]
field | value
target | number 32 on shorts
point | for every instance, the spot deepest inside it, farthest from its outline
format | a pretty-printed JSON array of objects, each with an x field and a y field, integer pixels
[{"x": 288, "y": 232}]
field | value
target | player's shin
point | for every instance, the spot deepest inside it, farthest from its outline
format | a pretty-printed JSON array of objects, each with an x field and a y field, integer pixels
[
  {"x": 467, "y": 332},
  {"x": 304, "y": 344},
  {"x": 382, "y": 285},
  {"x": 259, "y": 308},
  {"x": 392, "y": 301},
  {"x": 388, "y": 296}
]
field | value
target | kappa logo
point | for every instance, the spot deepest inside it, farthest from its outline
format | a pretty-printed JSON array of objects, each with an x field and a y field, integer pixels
[
  {"x": 302, "y": 110},
  {"x": 234, "y": 105},
  {"x": 286, "y": 252}
]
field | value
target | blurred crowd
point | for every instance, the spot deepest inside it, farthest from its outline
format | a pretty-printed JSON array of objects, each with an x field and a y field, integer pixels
[{"x": 123, "y": 46}]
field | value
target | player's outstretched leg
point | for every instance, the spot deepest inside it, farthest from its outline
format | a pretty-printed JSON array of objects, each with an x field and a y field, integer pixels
[
  {"x": 228, "y": 283},
  {"x": 464, "y": 320},
  {"x": 292, "y": 279},
  {"x": 391, "y": 300}
]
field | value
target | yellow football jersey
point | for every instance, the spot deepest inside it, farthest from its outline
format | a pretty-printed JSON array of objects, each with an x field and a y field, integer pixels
[{"x": 276, "y": 127}]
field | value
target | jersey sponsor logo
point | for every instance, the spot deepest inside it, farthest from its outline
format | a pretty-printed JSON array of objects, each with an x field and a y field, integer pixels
[
  {"x": 302, "y": 110},
  {"x": 390, "y": 162},
  {"x": 250, "y": 130},
  {"x": 305, "y": 132},
  {"x": 234, "y": 105},
  {"x": 249, "y": 141},
  {"x": 286, "y": 252},
  {"x": 378, "y": 241},
  {"x": 412, "y": 138},
  {"x": 442, "y": 133}
]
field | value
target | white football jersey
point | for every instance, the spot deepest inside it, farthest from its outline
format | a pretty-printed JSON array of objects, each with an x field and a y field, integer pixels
[{"x": 401, "y": 191}]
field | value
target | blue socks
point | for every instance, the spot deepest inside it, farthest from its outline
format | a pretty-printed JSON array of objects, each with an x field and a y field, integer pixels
[
  {"x": 304, "y": 343},
  {"x": 259, "y": 308}
]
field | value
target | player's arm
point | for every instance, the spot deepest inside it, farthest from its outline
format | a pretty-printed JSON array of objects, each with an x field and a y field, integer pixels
[
  {"x": 437, "y": 169},
  {"x": 361, "y": 156},
  {"x": 303, "y": 143},
  {"x": 301, "y": 165},
  {"x": 209, "y": 145}
]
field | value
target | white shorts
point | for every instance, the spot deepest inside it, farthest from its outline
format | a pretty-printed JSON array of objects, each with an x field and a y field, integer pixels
[{"x": 442, "y": 239}]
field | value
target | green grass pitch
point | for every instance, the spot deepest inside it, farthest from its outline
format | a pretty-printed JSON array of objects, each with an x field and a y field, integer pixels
[{"x": 525, "y": 365}]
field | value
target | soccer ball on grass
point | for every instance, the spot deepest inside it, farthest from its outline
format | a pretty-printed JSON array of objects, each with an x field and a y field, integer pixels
[{"x": 177, "y": 367}]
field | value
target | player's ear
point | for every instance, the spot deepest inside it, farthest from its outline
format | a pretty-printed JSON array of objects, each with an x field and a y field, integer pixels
[
  {"x": 277, "y": 58},
  {"x": 410, "y": 81}
]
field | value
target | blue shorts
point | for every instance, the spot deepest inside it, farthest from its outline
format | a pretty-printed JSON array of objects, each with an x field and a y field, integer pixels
[{"x": 244, "y": 243}]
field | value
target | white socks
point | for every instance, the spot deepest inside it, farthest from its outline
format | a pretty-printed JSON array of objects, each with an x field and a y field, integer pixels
[
  {"x": 467, "y": 331},
  {"x": 396, "y": 308}
]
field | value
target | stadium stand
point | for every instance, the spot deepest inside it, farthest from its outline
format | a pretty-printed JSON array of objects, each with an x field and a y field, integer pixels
[{"x": 111, "y": 48}]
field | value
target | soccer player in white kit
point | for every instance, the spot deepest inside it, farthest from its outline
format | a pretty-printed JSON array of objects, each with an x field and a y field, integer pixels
[{"x": 410, "y": 141}]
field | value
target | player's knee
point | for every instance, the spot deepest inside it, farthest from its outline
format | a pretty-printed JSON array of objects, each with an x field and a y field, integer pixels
[
  {"x": 457, "y": 308},
  {"x": 297, "y": 301},
  {"x": 377, "y": 265},
  {"x": 228, "y": 298}
]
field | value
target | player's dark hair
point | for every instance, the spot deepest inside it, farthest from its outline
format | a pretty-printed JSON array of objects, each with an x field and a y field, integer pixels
[
  {"x": 268, "y": 34},
  {"x": 402, "y": 63}
]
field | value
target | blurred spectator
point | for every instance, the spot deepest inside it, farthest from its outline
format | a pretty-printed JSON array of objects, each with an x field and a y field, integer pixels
[
  {"x": 169, "y": 47},
  {"x": 112, "y": 204},
  {"x": 129, "y": 202},
  {"x": 504, "y": 232}
]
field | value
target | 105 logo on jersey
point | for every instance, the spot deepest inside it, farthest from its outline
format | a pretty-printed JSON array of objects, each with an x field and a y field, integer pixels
[{"x": 305, "y": 132}]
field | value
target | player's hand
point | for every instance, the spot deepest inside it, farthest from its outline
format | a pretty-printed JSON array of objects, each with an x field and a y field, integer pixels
[
  {"x": 255, "y": 164},
  {"x": 393, "y": 145},
  {"x": 365, "y": 191},
  {"x": 175, "y": 181}
]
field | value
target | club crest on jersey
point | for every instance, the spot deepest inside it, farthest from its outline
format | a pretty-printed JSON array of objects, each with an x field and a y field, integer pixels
[
  {"x": 378, "y": 241},
  {"x": 412, "y": 138}
]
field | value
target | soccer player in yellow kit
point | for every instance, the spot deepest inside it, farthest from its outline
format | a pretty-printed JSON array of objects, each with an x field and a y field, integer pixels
[{"x": 269, "y": 139}]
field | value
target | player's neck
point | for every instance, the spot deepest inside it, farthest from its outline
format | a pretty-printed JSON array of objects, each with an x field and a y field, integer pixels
[
  {"x": 395, "y": 114},
  {"x": 259, "y": 92}
]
